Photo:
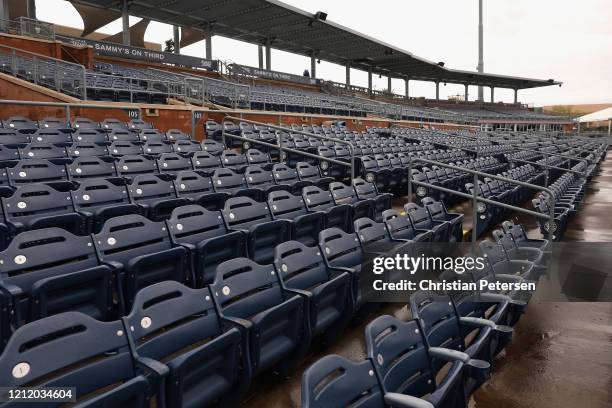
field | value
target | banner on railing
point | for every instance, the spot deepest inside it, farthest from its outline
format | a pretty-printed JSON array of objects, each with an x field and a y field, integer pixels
[
  {"x": 265, "y": 74},
  {"x": 142, "y": 54}
]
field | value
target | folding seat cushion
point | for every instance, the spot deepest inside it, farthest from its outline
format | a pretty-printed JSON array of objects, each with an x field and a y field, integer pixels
[
  {"x": 255, "y": 220},
  {"x": 212, "y": 146},
  {"x": 305, "y": 226},
  {"x": 54, "y": 123},
  {"x": 443, "y": 327},
  {"x": 205, "y": 162},
  {"x": 101, "y": 369},
  {"x": 308, "y": 172},
  {"x": 155, "y": 196},
  {"x": 232, "y": 183},
  {"x": 263, "y": 180},
  {"x": 366, "y": 190},
  {"x": 403, "y": 363},
  {"x": 20, "y": 124},
  {"x": 521, "y": 239},
  {"x": 86, "y": 149},
  {"x": 173, "y": 163},
  {"x": 205, "y": 354},
  {"x": 112, "y": 124},
  {"x": 437, "y": 211},
  {"x": 42, "y": 151},
  {"x": 513, "y": 252},
  {"x": 328, "y": 291},
  {"x": 235, "y": 161},
  {"x": 375, "y": 238},
  {"x": 272, "y": 317},
  {"x": 50, "y": 271},
  {"x": 501, "y": 265},
  {"x": 335, "y": 382},
  {"x": 132, "y": 165},
  {"x": 199, "y": 189},
  {"x": 343, "y": 194},
  {"x": 138, "y": 125},
  {"x": 175, "y": 134},
  {"x": 343, "y": 251},
  {"x": 152, "y": 135},
  {"x": 141, "y": 253},
  {"x": 36, "y": 206},
  {"x": 84, "y": 123},
  {"x": 286, "y": 175},
  {"x": 422, "y": 220},
  {"x": 38, "y": 171},
  {"x": 122, "y": 148},
  {"x": 51, "y": 136},
  {"x": 84, "y": 168},
  {"x": 90, "y": 136},
  {"x": 12, "y": 138},
  {"x": 187, "y": 147},
  {"x": 257, "y": 158},
  {"x": 392, "y": 176},
  {"x": 337, "y": 215},
  {"x": 209, "y": 241},
  {"x": 155, "y": 148},
  {"x": 400, "y": 227},
  {"x": 99, "y": 200}
]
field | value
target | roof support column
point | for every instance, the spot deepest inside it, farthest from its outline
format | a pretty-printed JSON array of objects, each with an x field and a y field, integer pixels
[
  {"x": 313, "y": 66},
  {"x": 609, "y": 127},
  {"x": 260, "y": 56},
  {"x": 389, "y": 88},
  {"x": 437, "y": 91},
  {"x": 370, "y": 81},
  {"x": 492, "y": 94},
  {"x": 268, "y": 55},
  {"x": 177, "y": 39},
  {"x": 466, "y": 92},
  {"x": 125, "y": 20},
  {"x": 208, "y": 40},
  {"x": 4, "y": 10},
  {"x": 407, "y": 87},
  {"x": 31, "y": 7},
  {"x": 348, "y": 75},
  {"x": 515, "y": 96}
]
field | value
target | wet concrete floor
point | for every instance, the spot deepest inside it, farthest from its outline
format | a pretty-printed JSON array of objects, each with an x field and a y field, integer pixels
[{"x": 561, "y": 353}]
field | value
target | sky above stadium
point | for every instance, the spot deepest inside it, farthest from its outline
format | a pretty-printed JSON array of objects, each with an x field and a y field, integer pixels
[{"x": 565, "y": 40}]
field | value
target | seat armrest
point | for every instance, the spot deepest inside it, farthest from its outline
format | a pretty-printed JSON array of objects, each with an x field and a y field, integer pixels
[
  {"x": 397, "y": 400},
  {"x": 160, "y": 369},
  {"x": 448, "y": 354}
]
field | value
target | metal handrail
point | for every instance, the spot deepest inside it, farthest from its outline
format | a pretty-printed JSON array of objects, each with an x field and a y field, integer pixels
[
  {"x": 301, "y": 132},
  {"x": 476, "y": 198}
]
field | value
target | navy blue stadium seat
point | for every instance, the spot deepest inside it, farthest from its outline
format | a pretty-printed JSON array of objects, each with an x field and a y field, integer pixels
[
  {"x": 206, "y": 356},
  {"x": 208, "y": 239},
  {"x": 50, "y": 271},
  {"x": 86, "y": 149},
  {"x": 155, "y": 148},
  {"x": 235, "y": 161},
  {"x": 38, "y": 171},
  {"x": 90, "y": 136},
  {"x": 21, "y": 124},
  {"x": 421, "y": 219},
  {"x": 337, "y": 215},
  {"x": 41, "y": 151},
  {"x": 212, "y": 146},
  {"x": 13, "y": 138},
  {"x": 305, "y": 226},
  {"x": 199, "y": 189},
  {"x": 273, "y": 318},
  {"x": 286, "y": 175},
  {"x": 366, "y": 190},
  {"x": 172, "y": 163},
  {"x": 255, "y": 220},
  {"x": 205, "y": 163},
  {"x": 308, "y": 172},
  {"x": 437, "y": 211},
  {"x": 36, "y": 206},
  {"x": 52, "y": 136},
  {"x": 400, "y": 227},
  {"x": 102, "y": 369},
  {"x": 121, "y": 148},
  {"x": 232, "y": 183},
  {"x": 328, "y": 291},
  {"x": 141, "y": 253},
  {"x": 343, "y": 194},
  {"x": 174, "y": 134},
  {"x": 85, "y": 123},
  {"x": 133, "y": 165},
  {"x": 112, "y": 124},
  {"x": 260, "y": 179},
  {"x": 257, "y": 158},
  {"x": 84, "y": 168},
  {"x": 155, "y": 196},
  {"x": 99, "y": 200},
  {"x": 187, "y": 147}
]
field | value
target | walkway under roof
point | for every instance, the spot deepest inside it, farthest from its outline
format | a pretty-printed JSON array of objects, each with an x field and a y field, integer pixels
[{"x": 290, "y": 29}]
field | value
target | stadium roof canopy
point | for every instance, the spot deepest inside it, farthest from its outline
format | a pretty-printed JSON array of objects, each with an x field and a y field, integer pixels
[
  {"x": 599, "y": 116},
  {"x": 293, "y": 30}
]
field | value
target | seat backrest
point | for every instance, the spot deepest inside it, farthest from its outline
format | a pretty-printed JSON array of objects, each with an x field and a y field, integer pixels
[
  {"x": 190, "y": 184},
  {"x": 132, "y": 165},
  {"x": 151, "y": 135},
  {"x": 205, "y": 162},
  {"x": 41, "y": 151},
  {"x": 241, "y": 213},
  {"x": 44, "y": 353},
  {"x": 340, "y": 248},
  {"x": 300, "y": 266},
  {"x": 192, "y": 224},
  {"x": 20, "y": 123},
  {"x": 123, "y": 148},
  {"x": 399, "y": 354},
  {"x": 232, "y": 160},
  {"x": 86, "y": 149},
  {"x": 97, "y": 193},
  {"x": 256, "y": 177},
  {"x": 10, "y": 137},
  {"x": 84, "y": 123},
  {"x": 227, "y": 180},
  {"x": 342, "y": 193},
  {"x": 156, "y": 147},
  {"x": 33, "y": 201},
  {"x": 436, "y": 209},
  {"x": 91, "y": 167},
  {"x": 173, "y": 163},
  {"x": 187, "y": 146},
  {"x": 150, "y": 188},
  {"x": 139, "y": 124},
  {"x": 90, "y": 135},
  {"x": 113, "y": 124},
  {"x": 418, "y": 215},
  {"x": 317, "y": 199},
  {"x": 438, "y": 319},
  {"x": 256, "y": 157},
  {"x": 495, "y": 253},
  {"x": 284, "y": 174},
  {"x": 175, "y": 134},
  {"x": 38, "y": 254},
  {"x": 284, "y": 205},
  {"x": 51, "y": 136},
  {"x": 212, "y": 146},
  {"x": 364, "y": 189},
  {"x": 53, "y": 123},
  {"x": 370, "y": 231},
  {"x": 334, "y": 381},
  {"x": 399, "y": 227},
  {"x": 126, "y": 237},
  {"x": 244, "y": 288},
  {"x": 516, "y": 230}
]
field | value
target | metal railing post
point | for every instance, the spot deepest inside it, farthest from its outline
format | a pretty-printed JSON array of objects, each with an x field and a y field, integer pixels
[
  {"x": 475, "y": 191},
  {"x": 68, "y": 115},
  {"x": 410, "y": 180}
]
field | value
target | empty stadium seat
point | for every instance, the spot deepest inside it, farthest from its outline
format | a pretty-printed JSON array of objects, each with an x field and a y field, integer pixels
[
  {"x": 343, "y": 194},
  {"x": 437, "y": 211},
  {"x": 305, "y": 226},
  {"x": 337, "y": 215},
  {"x": 205, "y": 162},
  {"x": 422, "y": 219},
  {"x": 199, "y": 189},
  {"x": 366, "y": 190},
  {"x": 172, "y": 163},
  {"x": 400, "y": 227},
  {"x": 155, "y": 196}
]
